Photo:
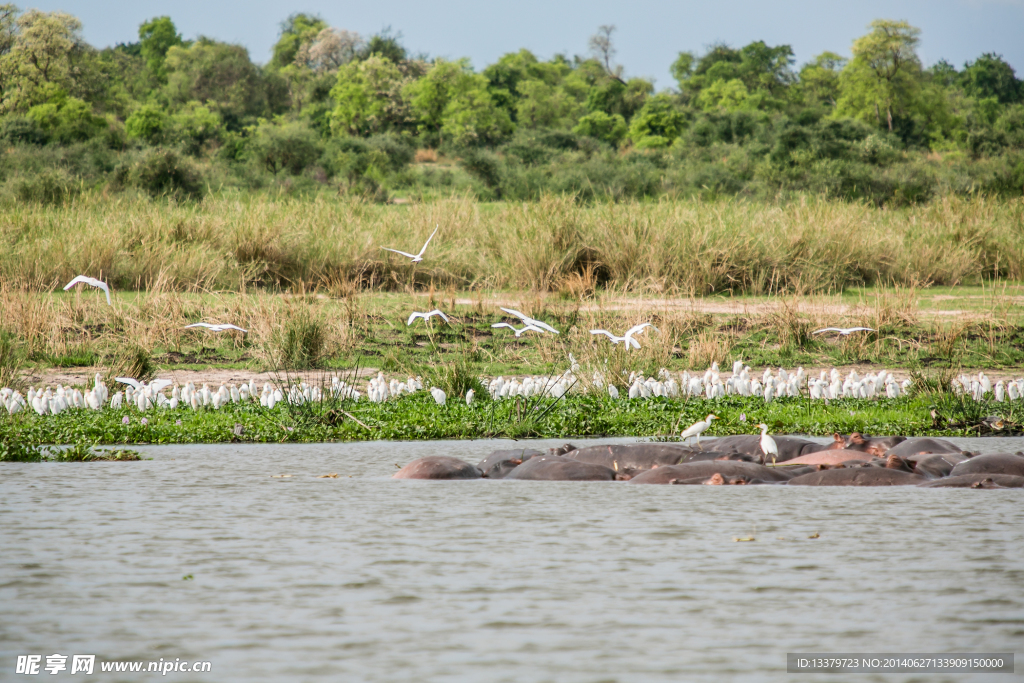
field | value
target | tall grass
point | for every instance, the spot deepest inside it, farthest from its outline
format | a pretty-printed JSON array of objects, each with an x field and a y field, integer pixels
[{"x": 686, "y": 247}]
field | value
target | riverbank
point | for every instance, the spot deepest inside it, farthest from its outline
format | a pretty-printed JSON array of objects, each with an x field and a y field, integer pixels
[{"x": 418, "y": 417}]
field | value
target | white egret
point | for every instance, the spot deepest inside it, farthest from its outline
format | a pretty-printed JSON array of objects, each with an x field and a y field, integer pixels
[
  {"x": 427, "y": 316},
  {"x": 529, "y": 321},
  {"x": 768, "y": 445},
  {"x": 519, "y": 333},
  {"x": 416, "y": 258},
  {"x": 469, "y": 397},
  {"x": 698, "y": 428},
  {"x": 630, "y": 342},
  {"x": 216, "y": 328},
  {"x": 844, "y": 330},
  {"x": 92, "y": 282}
]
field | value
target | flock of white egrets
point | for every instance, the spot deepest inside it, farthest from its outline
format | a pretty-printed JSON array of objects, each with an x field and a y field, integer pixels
[{"x": 710, "y": 385}]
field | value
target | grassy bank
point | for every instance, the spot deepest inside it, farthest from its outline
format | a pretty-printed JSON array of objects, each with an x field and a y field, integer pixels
[
  {"x": 142, "y": 332},
  {"x": 229, "y": 242},
  {"x": 418, "y": 417}
]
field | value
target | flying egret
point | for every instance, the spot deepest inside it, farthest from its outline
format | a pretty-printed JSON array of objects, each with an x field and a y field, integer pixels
[
  {"x": 216, "y": 328},
  {"x": 92, "y": 282},
  {"x": 416, "y": 258},
  {"x": 630, "y": 342},
  {"x": 768, "y": 445},
  {"x": 426, "y": 316},
  {"x": 698, "y": 428},
  {"x": 529, "y": 321},
  {"x": 519, "y": 333},
  {"x": 844, "y": 330}
]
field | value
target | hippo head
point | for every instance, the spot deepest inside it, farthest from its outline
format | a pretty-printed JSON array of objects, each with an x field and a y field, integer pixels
[{"x": 875, "y": 445}]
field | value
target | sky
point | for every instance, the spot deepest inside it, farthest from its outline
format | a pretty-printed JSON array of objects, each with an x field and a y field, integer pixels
[{"x": 649, "y": 33}]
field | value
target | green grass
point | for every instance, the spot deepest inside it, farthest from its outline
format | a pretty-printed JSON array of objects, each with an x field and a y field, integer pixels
[{"x": 418, "y": 417}]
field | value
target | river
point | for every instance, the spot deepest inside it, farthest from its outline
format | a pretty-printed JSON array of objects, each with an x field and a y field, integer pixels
[{"x": 202, "y": 553}]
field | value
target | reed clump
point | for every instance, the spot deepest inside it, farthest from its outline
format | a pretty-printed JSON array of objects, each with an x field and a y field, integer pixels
[{"x": 689, "y": 247}]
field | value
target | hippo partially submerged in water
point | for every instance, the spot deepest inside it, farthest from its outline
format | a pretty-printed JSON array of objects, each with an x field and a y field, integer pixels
[
  {"x": 438, "y": 467},
  {"x": 561, "y": 468}
]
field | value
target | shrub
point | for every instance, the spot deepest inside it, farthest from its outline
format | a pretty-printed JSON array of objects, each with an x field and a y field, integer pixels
[
  {"x": 161, "y": 172},
  {"x": 300, "y": 343},
  {"x": 148, "y": 123},
  {"x": 50, "y": 186},
  {"x": 131, "y": 361},
  {"x": 290, "y": 147},
  {"x": 21, "y": 130}
]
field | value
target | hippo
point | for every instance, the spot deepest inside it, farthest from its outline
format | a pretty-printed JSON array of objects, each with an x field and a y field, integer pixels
[
  {"x": 498, "y": 464},
  {"x": 921, "y": 446},
  {"x": 633, "y": 458},
  {"x": 875, "y": 445},
  {"x": 936, "y": 466},
  {"x": 750, "y": 444},
  {"x": 438, "y": 467},
  {"x": 561, "y": 468},
  {"x": 858, "y": 476},
  {"x": 978, "y": 480},
  {"x": 992, "y": 463},
  {"x": 831, "y": 456},
  {"x": 698, "y": 472},
  {"x": 561, "y": 450}
]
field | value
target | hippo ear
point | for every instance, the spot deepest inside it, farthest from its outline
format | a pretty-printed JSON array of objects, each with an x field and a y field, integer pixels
[
  {"x": 838, "y": 438},
  {"x": 856, "y": 438}
]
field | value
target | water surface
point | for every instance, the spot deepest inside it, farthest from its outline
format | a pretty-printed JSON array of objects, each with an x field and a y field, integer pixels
[{"x": 365, "y": 578}]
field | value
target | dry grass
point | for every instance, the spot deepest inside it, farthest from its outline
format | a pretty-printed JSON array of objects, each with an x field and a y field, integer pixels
[{"x": 668, "y": 247}]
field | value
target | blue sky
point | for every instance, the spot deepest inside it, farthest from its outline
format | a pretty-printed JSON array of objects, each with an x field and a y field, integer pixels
[{"x": 649, "y": 32}]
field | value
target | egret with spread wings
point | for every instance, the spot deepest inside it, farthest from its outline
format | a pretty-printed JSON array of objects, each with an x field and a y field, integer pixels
[
  {"x": 92, "y": 282},
  {"x": 416, "y": 258}
]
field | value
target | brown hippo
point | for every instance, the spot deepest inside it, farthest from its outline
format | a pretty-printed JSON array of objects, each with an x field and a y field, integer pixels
[
  {"x": 875, "y": 445},
  {"x": 498, "y": 464},
  {"x": 978, "y": 481},
  {"x": 993, "y": 463},
  {"x": 633, "y": 458},
  {"x": 831, "y": 456},
  {"x": 921, "y": 446},
  {"x": 438, "y": 467},
  {"x": 698, "y": 472},
  {"x": 858, "y": 476},
  {"x": 561, "y": 468},
  {"x": 750, "y": 444},
  {"x": 936, "y": 466},
  {"x": 561, "y": 450}
]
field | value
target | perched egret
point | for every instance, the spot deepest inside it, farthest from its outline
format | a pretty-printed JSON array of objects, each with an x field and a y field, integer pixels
[
  {"x": 530, "y": 321},
  {"x": 768, "y": 445},
  {"x": 698, "y": 428},
  {"x": 416, "y": 258},
  {"x": 519, "y": 333},
  {"x": 427, "y": 316},
  {"x": 469, "y": 397},
  {"x": 216, "y": 328},
  {"x": 844, "y": 330},
  {"x": 92, "y": 282}
]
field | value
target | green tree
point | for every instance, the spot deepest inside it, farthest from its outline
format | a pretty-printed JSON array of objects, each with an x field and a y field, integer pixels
[
  {"x": 219, "y": 75},
  {"x": 819, "y": 78},
  {"x": 610, "y": 128},
  {"x": 156, "y": 37},
  {"x": 296, "y": 30},
  {"x": 45, "y": 58},
  {"x": 368, "y": 98},
  {"x": 657, "y": 124},
  {"x": 884, "y": 75},
  {"x": 149, "y": 123},
  {"x": 991, "y": 76},
  {"x": 289, "y": 147}
]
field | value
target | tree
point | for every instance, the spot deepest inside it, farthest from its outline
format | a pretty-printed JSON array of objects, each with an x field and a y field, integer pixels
[
  {"x": 156, "y": 37},
  {"x": 328, "y": 50},
  {"x": 601, "y": 126},
  {"x": 657, "y": 124},
  {"x": 368, "y": 98},
  {"x": 991, "y": 76},
  {"x": 385, "y": 45},
  {"x": 603, "y": 49},
  {"x": 819, "y": 78},
  {"x": 884, "y": 73},
  {"x": 44, "y": 59},
  {"x": 296, "y": 30},
  {"x": 216, "y": 74}
]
